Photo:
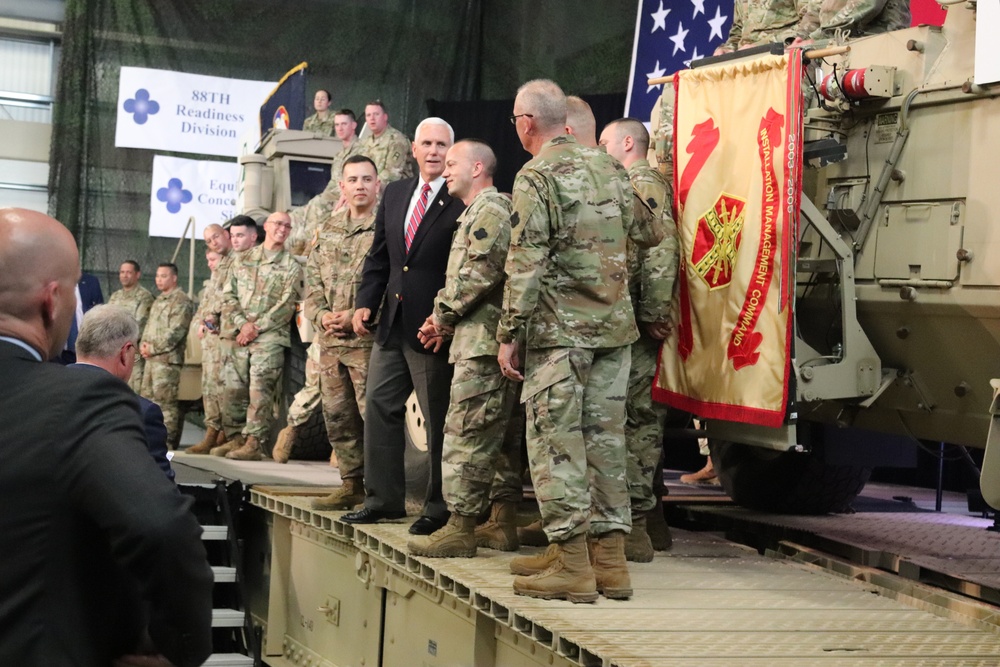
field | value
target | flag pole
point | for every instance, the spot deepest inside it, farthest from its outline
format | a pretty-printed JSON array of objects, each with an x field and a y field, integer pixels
[{"x": 813, "y": 54}]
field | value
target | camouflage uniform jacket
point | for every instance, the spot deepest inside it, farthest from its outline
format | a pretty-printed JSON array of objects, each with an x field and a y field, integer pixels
[
  {"x": 472, "y": 295},
  {"x": 319, "y": 125},
  {"x": 202, "y": 299},
  {"x": 763, "y": 21},
  {"x": 136, "y": 301},
  {"x": 261, "y": 290},
  {"x": 567, "y": 278},
  {"x": 858, "y": 17},
  {"x": 211, "y": 304},
  {"x": 391, "y": 154},
  {"x": 333, "y": 273},
  {"x": 309, "y": 219},
  {"x": 167, "y": 328},
  {"x": 652, "y": 271}
]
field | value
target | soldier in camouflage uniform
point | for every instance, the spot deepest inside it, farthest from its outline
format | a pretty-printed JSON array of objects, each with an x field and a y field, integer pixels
[
  {"x": 258, "y": 302},
  {"x": 855, "y": 17},
  {"x": 136, "y": 299},
  {"x": 566, "y": 304},
  {"x": 162, "y": 346},
  {"x": 333, "y": 274},
  {"x": 322, "y": 121},
  {"x": 309, "y": 219},
  {"x": 220, "y": 248},
  {"x": 482, "y": 440},
  {"x": 652, "y": 272},
  {"x": 388, "y": 148}
]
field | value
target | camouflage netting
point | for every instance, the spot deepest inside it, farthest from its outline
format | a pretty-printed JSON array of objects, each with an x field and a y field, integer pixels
[{"x": 405, "y": 52}]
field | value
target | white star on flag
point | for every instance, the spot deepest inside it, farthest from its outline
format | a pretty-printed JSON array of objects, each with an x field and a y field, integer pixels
[
  {"x": 658, "y": 72},
  {"x": 678, "y": 39},
  {"x": 694, "y": 56},
  {"x": 717, "y": 24},
  {"x": 660, "y": 18},
  {"x": 699, "y": 7}
]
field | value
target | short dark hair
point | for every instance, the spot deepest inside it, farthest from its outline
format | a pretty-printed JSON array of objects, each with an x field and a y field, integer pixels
[
  {"x": 359, "y": 159},
  {"x": 634, "y": 128},
  {"x": 378, "y": 103},
  {"x": 135, "y": 265},
  {"x": 168, "y": 265},
  {"x": 241, "y": 221},
  {"x": 346, "y": 112}
]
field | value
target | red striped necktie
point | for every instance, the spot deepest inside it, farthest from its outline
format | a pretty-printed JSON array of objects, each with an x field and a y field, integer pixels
[{"x": 417, "y": 215}]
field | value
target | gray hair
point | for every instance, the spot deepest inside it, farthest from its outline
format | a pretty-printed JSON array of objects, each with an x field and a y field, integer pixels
[
  {"x": 105, "y": 329},
  {"x": 433, "y": 120},
  {"x": 546, "y": 102}
]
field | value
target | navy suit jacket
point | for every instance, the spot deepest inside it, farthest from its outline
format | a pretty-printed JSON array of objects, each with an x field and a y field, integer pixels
[
  {"x": 99, "y": 547},
  {"x": 90, "y": 291},
  {"x": 407, "y": 281}
]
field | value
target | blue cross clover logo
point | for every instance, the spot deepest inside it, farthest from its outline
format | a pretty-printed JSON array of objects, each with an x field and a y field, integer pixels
[
  {"x": 141, "y": 107},
  {"x": 174, "y": 195}
]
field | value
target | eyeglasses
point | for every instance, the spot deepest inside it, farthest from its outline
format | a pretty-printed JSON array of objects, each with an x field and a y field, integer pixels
[
  {"x": 513, "y": 119},
  {"x": 286, "y": 225}
]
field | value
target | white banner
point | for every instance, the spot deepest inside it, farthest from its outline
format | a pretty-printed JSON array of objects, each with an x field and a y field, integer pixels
[
  {"x": 185, "y": 188},
  {"x": 987, "y": 51},
  {"x": 186, "y": 113}
]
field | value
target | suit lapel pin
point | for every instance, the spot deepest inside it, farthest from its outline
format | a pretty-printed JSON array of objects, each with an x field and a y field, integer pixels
[{"x": 440, "y": 202}]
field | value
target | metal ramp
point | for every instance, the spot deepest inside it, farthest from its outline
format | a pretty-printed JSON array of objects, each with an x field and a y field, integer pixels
[{"x": 343, "y": 595}]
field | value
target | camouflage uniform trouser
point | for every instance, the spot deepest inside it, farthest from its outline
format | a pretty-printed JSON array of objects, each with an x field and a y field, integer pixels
[
  {"x": 307, "y": 400},
  {"x": 644, "y": 419},
  {"x": 575, "y": 410},
  {"x": 252, "y": 376},
  {"x": 482, "y": 437},
  {"x": 135, "y": 380},
  {"x": 343, "y": 379},
  {"x": 212, "y": 391},
  {"x": 160, "y": 382}
]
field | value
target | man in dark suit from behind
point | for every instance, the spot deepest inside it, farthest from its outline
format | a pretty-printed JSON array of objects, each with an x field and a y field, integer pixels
[
  {"x": 103, "y": 560},
  {"x": 107, "y": 342},
  {"x": 88, "y": 295},
  {"x": 403, "y": 272}
]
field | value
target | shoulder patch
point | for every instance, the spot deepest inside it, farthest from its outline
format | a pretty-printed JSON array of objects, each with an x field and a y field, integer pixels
[
  {"x": 515, "y": 219},
  {"x": 480, "y": 233},
  {"x": 652, "y": 203}
]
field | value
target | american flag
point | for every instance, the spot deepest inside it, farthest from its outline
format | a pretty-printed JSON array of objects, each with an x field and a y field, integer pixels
[{"x": 669, "y": 34}]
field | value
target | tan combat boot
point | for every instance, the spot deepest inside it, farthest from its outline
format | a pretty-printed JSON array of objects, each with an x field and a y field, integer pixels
[
  {"x": 638, "y": 547},
  {"x": 456, "y": 539},
  {"x": 657, "y": 528},
  {"x": 250, "y": 451},
  {"x": 500, "y": 530},
  {"x": 345, "y": 498},
  {"x": 610, "y": 569},
  {"x": 526, "y": 565},
  {"x": 286, "y": 442},
  {"x": 532, "y": 535},
  {"x": 229, "y": 445},
  {"x": 570, "y": 577},
  {"x": 221, "y": 439},
  {"x": 206, "y": 444}
]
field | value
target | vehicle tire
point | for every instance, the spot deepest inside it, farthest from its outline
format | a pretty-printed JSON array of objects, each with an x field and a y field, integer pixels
[
  {"x": 786, "y": 482},
  {"x": 415, "y": 456},
  {"x": 313, "y": 443}
]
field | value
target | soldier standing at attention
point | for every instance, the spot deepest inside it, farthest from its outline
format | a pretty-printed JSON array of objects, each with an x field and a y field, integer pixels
[
  {"x": 242, "y": 237},
  {"x": 476, "y": 451},
  {"x": 162, "y": 347},
  {"x": 136, "y": 299},
  {"x": 652, "y": 272},
  {"x": 566, "y": 305},
  {"x": 258, "y": 302},
  {"x": 333, "y": 275},
  {"x": 322, "y": 121},
  {"x": 388, "y": 148}
]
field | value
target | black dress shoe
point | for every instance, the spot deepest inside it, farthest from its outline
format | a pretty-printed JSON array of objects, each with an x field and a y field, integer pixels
[
  {"x": 426, "y": 525},
  {"x": 367, "y": 515}
]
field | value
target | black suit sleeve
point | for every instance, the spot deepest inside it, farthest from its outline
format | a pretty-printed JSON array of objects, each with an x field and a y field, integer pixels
[
  {"x": 149, "y": 525},
  {"x": 375, "y": 274},
  {"x": 156, "y": 436}
]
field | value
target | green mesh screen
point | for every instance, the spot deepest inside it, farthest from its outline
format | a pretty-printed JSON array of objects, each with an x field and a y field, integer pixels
[{"x": 404, "y": 52}]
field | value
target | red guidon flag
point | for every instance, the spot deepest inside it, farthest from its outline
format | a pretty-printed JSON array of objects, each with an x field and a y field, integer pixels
[{"x": 737, "y": 177}]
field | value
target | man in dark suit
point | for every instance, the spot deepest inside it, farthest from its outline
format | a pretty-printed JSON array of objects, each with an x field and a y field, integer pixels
[
  {"x": 103, "y": 560},
  {"x": 403, "y": 272},
  {"x": 88, "y": 295},
  {"x": 107, "y": 342}
]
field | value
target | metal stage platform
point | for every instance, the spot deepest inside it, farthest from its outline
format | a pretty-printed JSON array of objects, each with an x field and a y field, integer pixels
[{"x": 329, "y": 594}]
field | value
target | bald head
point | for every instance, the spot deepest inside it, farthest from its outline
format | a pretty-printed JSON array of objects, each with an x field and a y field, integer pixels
[
  {"x": 580, "y": 121},
  {"x": 39, "y": 268},
  {"x": 217, "y": 239}
]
